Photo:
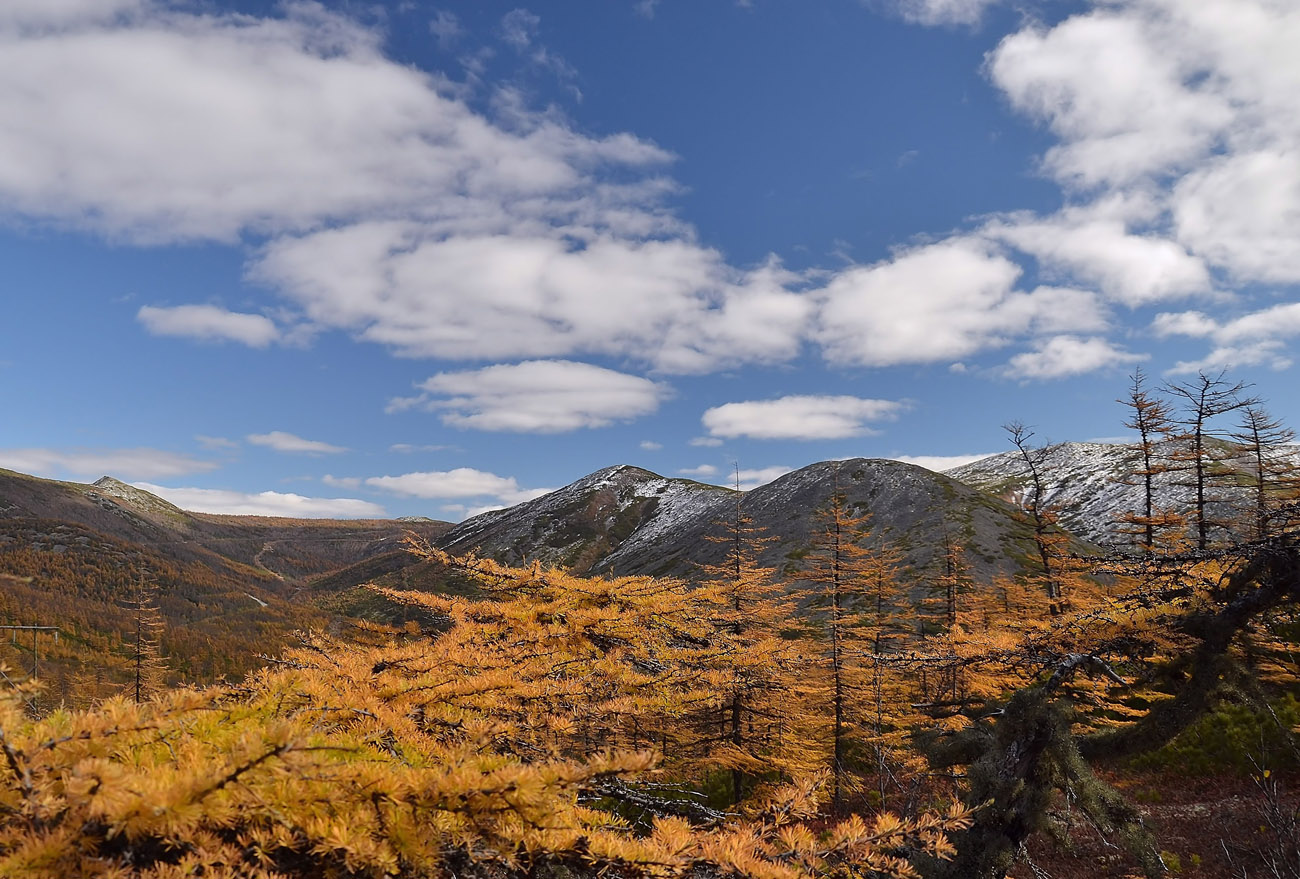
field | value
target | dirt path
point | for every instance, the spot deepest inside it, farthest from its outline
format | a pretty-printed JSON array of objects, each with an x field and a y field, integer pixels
[{"x": 257, "y": 559}]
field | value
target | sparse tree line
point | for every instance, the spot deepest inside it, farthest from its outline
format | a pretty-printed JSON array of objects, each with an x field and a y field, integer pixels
[{"x": 845, "y": 725}]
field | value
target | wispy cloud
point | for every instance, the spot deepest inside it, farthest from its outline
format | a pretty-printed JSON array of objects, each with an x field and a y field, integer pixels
[
  {"x": 125, "y": 464},
  {"x": 210, "y": 323},
  {"x": 280, "y": 441},
  {"x": 216, "y": 443}
]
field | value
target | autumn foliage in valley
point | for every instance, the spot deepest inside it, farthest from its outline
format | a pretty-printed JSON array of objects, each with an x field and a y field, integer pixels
[{"x": 841, "y": 718}]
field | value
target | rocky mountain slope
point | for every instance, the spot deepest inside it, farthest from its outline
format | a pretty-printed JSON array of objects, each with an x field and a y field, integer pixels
[
  {"x": 1089, "y": 484},
  {"x": 582, "y": 525},
  {"x": 627, "y": 520}
]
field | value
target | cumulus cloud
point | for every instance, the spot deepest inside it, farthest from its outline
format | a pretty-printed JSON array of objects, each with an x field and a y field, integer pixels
[
  {"x": 444, "y": 232},
  {"x": 650, "y": 446},
  {"x": 937, "y": 302},
  {"x": 1257, "y": 338},
  {"x": 280, "y": 441},
  {"x": 463, "y": 482},
  {"x": 123, "y": 464},
  {"x": 1209, "y": 136},
  {"x": 210, "y": 323},
  {"x": 500, "y": 234},
  {"x": 264, "y": 503},
  {"x": 537, "y": 396},
  {"x": 537, "y": 293},
  {"x": 1128, "y": 268},
  {"x": 1062, "y": 356},
  {"x": 1243, "y": 212},
  {"x": 799, "y": 417}
]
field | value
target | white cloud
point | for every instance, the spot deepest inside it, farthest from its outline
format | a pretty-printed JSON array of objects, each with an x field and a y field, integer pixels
[
  {"x": 943, "y": 12},
  {"x": 1062, "y": 356},
  {"x": 444, "y": 231},
  {"x": 1128, "y": 268},
  {"x": 209, "y": 322},
  {"x": 705, "y": 441},
  {"x": 1254, "y": 339},
  {"x": 125, "y": 464},
  {"x": 341, "y": 481},
  {"x": 799, "y": 417},
  {"x": 280, "y": 441},
  {"x": 463, "y": 482},
  {"x": 1243, "y": 213},
  {"x": 1209, "y": 135},
  {"x": 751, "y": 479},
  {"x": 650, "y": 446},
  {"x": 1079, "y": 77},
  {"x": 940, "y": 463},
  {"x": 535, "y": 293},
  {"x": 453, "y": 231},
  {"x": 41, "y": 14},
  {"x": 939, "y": 302},
  {"x": 538, "y": 396},
  {"x": 702, "y": 470},
  {"x": 264, "y": 503}
]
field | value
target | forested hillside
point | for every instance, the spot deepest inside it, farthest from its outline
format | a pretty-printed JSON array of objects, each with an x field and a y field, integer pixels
[{"x": 835, "y": 709}]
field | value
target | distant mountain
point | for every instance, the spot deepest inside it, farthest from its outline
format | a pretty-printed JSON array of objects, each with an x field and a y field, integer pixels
[
  {"x": 228, "y": 587},
  {"x": 1086, "y": 483},
  {"x": 280, "y": 548},
  {"x": 1091, "y": 486},
  {"x": 628, "y": 520},
  {"x": 580, "y": 526}
]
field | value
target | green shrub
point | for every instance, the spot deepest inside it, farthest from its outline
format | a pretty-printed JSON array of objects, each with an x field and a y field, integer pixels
[{"x": 1234, "y": 738}]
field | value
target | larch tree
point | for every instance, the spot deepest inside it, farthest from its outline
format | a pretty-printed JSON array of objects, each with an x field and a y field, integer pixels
[
  {"x": 147, "y": 664},
  {"x": 1266, "y": 458},
  {"x": 1049, "y": 540},
  {"x": 751, "y": 726},
  {"x": 1151, "y": 417},
  {"x": 420, "y": 759},
  {"x": 841, "y": 569},
  {"x": 1201, "y": 451}
]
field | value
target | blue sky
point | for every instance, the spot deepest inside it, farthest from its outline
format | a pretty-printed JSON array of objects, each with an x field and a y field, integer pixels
[{"x": 409, "y": 258}]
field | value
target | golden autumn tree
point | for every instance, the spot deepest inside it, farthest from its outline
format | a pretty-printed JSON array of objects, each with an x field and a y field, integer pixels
[
  {"x": 752, "y": 729},
  {"x": 522, "y": 735},
  {"x": 844, "y": 574},
  {"x": 147, "y": 664},
  {"x": 1137, "y": 654}
]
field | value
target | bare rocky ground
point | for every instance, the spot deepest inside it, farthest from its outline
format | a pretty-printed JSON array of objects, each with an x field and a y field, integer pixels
[{"x": 1218, "y": 827}]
